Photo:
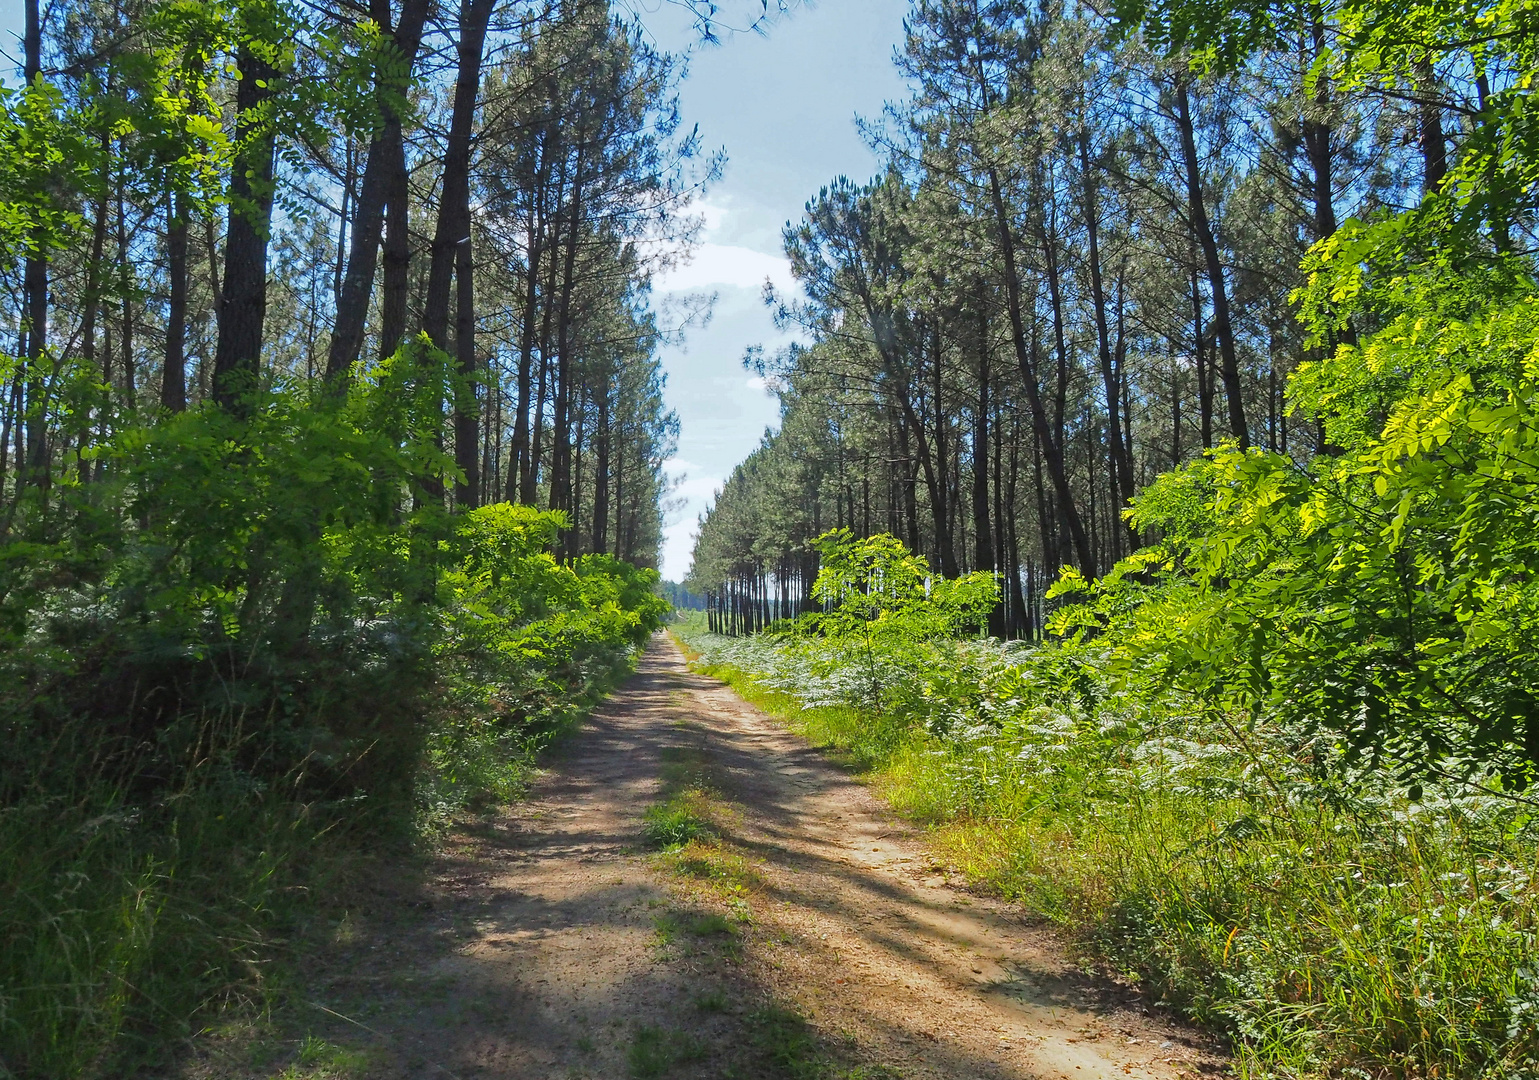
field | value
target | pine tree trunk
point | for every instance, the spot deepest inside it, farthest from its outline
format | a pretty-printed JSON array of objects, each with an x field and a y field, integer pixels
[
  {"x": 243, "y": 308},
  {"x": 467, "y": 411},
  {"x": 1121, "y": 457},
  {"x": 35, "y": 299},
  {"x": 1223, "y": 329},
  {"x": 173, "y": 375},
  {"x": 1051, "y": 453},
  {"x": 379, "y": 174}
]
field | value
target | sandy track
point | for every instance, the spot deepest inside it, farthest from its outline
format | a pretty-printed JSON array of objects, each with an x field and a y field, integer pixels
[{"x": 552, "y": 948}]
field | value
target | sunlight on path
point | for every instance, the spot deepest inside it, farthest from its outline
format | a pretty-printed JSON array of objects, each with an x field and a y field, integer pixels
[{"x": 561, "y": 946}]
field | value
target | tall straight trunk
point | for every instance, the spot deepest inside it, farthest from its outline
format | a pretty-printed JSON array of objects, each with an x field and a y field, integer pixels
[
  {"x": 940, "y": 501},
  {"x": 1317, "y": 141},
  {"x": 35, "y": 294},
  {"x": 1045, "y": 531},
  {"x": 1429, "y": 128},
  {"x": 491, "y": 441},
  {"x": 1271, "y": 390},
  {"x": 243, "y": 308},
  {"x": 622, "y": 549},
  {"x": 1019, "y": 613},
  {"x": 1052, "y": 452},
  {"x": 574, "y": 538},
  {"x": 601, "y": 474},
  {"x": 1053, "y": 277},
  {"x": 10, "y": 423},
  {"x": 173, "y": 375},
  {"x": 395, "y": 248},
  {"x": 454, "y": 188},
  {"x": 211, "y": 246},
  {"x": 345, "y": 215},
  {"x": 561, "y": 437},
  {"x": 530, "y": 481},
  {"x": 126, "y": 290},
  {"x": 467, "y": 408},
  {"x": 1120, "y": 366},
  {"x": 1223, "y": 329},
  {"x": 1121, "y": 457},
  {"x": 374, "y": 195},
  {"x": 1002, "y": 561},
  {"x": 1175, "y": 404},
  {"x": 1204, "y": 380},
  {"x": 983, "y": 534},
  {"x": 518, "y": 453},
  {"x": 453, "y": 228},
  {"x": 910, "y": 483},
  {"x": 92, "y": 296}
]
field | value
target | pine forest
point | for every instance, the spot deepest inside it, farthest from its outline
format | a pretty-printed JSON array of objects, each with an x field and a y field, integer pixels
[{"x": 1146, "y": 537}]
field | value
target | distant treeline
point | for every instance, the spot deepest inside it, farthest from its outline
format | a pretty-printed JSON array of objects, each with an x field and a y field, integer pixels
[{"x": 680, "y": 597}]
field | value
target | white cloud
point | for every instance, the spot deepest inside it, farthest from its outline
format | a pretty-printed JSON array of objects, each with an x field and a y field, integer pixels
[
  {"x": 697, "y": 491},
  {"x": 715, "y": 215},
  {"x": 715, "y": 262},
  {"x": 727, "y": 265},
  {"x": 770, "y": 385},
  {"x": 678, "y": 548}
]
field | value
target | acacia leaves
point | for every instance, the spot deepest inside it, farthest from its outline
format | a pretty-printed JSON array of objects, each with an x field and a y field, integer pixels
[
  {"x": 876, "y": 588},
  {"x": 1384, "y": 594},
  {"x": 882, "y": 608}
]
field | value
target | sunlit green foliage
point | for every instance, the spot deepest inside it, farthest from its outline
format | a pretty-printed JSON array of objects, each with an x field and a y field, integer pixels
[
  {"x": 242, "y": 647},
  {"x": 1332, "y": 928},
  {"x": 881, "y": 603}
]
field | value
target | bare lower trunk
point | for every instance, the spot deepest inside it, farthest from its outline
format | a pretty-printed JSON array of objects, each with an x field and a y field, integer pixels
[
  {"x": 467, "y": 411},
  {"x": 1052, "y": 454},
  {"x": 173, "y": 375},
  {"x": 1223, "y": 329},
  {"x": 244, "y": 306},
  {"x": 374, "y": 195}
]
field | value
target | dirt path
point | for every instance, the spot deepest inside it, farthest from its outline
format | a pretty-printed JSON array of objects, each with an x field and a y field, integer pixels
[{"x": 812, "y": 939}]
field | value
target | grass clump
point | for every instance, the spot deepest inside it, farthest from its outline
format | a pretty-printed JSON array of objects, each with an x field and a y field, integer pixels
[
  {"x": 712, "y": 1001},
  {"x": 655, "y": 1051},
  {"x": 716, "y": 865},
  {"x": 678, "y": 819},
  {"x": 672, "y": 925},
  {"x": 787, "y": 1043}
]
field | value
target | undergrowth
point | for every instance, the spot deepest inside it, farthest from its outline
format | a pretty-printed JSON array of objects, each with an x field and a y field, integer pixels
[
  {"x": 213, "y": 719},
  {"x": 1329, "y": 925}
]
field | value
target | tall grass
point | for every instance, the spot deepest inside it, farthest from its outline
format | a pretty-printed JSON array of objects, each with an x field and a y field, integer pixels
[
  {"x": 1327, "y": 924},
  {"x": 149, "y": 888},
  {"x": 128, "y": 922}
]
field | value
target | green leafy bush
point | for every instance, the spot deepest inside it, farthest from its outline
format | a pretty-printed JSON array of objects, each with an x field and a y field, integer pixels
[
  {"x": 1241, "y": 862},
  {"x": 882, "y": 609},
  {"x": 231, "y": 651},
  {"x": 1380, "y": 596}
]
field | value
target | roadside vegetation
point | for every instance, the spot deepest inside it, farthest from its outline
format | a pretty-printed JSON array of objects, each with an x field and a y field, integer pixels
[
  {"x": 190, "y": 779},
  {"x": 1248, "y": 869}
]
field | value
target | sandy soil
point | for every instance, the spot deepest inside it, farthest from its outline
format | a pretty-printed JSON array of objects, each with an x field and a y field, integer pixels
[{"x": 553, "y": 942}]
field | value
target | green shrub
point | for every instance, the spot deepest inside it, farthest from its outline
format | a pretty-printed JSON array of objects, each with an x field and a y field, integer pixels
[
  {"x": 247, "y": 648},
  {"x": 1318, "y": 915}
]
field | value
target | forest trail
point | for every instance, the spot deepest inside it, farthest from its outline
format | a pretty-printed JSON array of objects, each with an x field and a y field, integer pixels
[{"x": 557, "y": 944}]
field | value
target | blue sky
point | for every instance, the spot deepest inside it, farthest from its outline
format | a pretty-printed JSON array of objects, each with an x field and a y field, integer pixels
[{"x": 783, "y": 106}]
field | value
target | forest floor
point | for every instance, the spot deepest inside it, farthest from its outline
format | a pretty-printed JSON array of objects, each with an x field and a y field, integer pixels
[{"x": 808, "y": 936}]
